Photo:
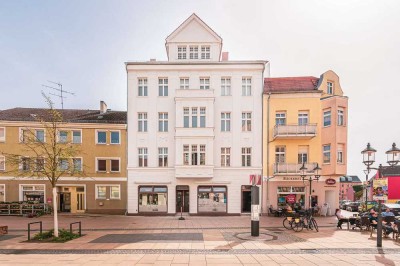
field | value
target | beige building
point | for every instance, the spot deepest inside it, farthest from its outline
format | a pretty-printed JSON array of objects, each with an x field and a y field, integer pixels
[{"x": 99, "y": 137}]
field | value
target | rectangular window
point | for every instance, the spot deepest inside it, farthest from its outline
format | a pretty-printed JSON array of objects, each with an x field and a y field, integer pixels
[
  {"x": 2, "y": 134},
  {"x": 205, "y": 52},
  {"x": 327, "y": 118},
  {"x": 142, "y": 157},
  {"x": 303, "y": 154},
  {"x": 225, "y": 122},
  {"x": 142, "y": 87},
  {"x": 115, "y": 192},
  {"x": 162, "y": 87},
  {"x": 202, "y": 154},
  {"x": 63, "y": 136},
  {"x": 163, "y": 122},
  {"x": 186, "y": 117},
  {"x": 76, "y": 136},
  {"x": 202, "y": 117},
  {"x": 327, "y": 153},
  {"x": 184, "y": 83},
  {"x": 101, "y": 165},
  {"x": 39, "y": 164},
  {"x": 39, "y": 134},
  {"x": 340, "y": 117},
  {"x": 186, "y": 154},
  {"x": 193, "y": 52},
  {"x": 25, "y": 164},
  {"x": 163, "y": 157},
  {"x": 101, "y": 192},
  {"x": 77, "y": 164},
  {"x": 142, "y": 122},
  {"x": 246, "y": 157},
  {"x": 246, "y": 86},
  {"x": 303, "y": 118},
  {"x": 114, "y": 137},
  {"x": 181, "y": 52},
  {"x": 225, "y": 86},
  {"x": 246, "y": 121},
  {"x": 204, "y": 83},
  {"x": 194, "y": 116},
  {"x": 2, "y": 163},
  {"x": 101, "y": 137},
  {"x": 280, "y": 118},
  {"x": 2, "y": 193},
  {"x": 63, "y": 164},
  {"x": 329, "y": 86},
  {"x": 24, "y": 135},
  {"x": 33, "y": 193},
  {"x": 340, "y": 158},
  {"x": 225, "y": 157},
  {"x": 114, "y": 165},
  {"x": 280, "y": 154},
  {"x": 195, "y": 155}
]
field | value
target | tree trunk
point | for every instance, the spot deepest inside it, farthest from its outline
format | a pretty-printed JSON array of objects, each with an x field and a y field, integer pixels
[{"x": 55, "y": 214}]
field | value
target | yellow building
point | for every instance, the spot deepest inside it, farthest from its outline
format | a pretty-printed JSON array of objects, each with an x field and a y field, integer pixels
[
  {"x": 304, "y": 121},
  {"x": 99, "y": 137}
]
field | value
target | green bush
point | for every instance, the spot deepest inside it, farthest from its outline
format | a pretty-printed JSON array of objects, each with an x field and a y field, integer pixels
[{"x": 63, "y": 236}]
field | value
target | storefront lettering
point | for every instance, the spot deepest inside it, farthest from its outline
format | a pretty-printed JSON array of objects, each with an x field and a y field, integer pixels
[{"x": 291, "y": 178}]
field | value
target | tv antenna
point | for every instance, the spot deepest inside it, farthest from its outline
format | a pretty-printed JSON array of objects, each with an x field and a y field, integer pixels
[{"x": 60, "y": 90}]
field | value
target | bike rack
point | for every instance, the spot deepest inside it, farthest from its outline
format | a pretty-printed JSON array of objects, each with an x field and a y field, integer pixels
[
  {"x": 29, "y": 229},
  {"x": 80, "y": 227}
]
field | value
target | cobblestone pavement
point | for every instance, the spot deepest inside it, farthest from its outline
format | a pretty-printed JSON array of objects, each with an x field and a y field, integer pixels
[{"x": 122, "y": 240}]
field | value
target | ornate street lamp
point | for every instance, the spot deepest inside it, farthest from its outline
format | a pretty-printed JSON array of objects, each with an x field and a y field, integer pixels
[
  {"x": 368, "y": 159},
  {"x": 303, "y": 174},
  {"x": 393, "y": 158}
]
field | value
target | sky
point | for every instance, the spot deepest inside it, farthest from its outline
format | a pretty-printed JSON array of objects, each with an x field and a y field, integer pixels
[{"x": 84, "y": 44}]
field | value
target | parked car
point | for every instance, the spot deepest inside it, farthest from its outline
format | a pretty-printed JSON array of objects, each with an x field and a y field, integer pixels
[
  {"x": 370, "y": 204},
  {"x": 342, "y": 203},
  {"x": 395, "y": 208},
  {"x": 352, "y": 206}
]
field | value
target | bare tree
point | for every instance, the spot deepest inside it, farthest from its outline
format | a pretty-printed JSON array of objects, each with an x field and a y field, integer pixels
[{"x": 45, "y": 154}]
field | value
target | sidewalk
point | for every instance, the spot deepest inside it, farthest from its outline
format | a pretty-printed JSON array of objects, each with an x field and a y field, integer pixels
[{"x": 123, "y": 240}]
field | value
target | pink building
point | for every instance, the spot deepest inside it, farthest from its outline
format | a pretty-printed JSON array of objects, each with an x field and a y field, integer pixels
[{"x": 347, "y": 183}]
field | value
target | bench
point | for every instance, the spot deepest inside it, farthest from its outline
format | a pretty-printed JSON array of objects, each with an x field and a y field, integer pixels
[{"x": 3, "y": 229}]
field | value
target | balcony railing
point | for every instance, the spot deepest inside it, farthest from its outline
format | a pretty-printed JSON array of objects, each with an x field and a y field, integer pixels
[
  {"x": 293, "y": 168},
  {"x": 295, "y": 131}
]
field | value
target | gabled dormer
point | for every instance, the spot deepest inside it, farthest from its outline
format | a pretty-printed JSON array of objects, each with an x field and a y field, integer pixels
[
  {"x": 329, "y": 84},
  {"x": 192, "y": 41}
]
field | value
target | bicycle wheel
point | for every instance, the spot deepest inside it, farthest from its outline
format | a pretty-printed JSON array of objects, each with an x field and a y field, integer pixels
[
  {"x": 297, "y": 227},
  {"x": 287, "y": 224},
  {"x": 314, "y": 223}
]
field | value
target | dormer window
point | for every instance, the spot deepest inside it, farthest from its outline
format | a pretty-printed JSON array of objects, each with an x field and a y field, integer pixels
[
  {"x": 194, "y": 52},
  {"x": 329, "y": 87},
  {"x": 205, "y": 52},
  {"x": 181, "y": 52}
]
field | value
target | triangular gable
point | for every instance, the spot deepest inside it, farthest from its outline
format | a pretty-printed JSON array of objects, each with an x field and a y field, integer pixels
[{"x": 190, "y": 25}]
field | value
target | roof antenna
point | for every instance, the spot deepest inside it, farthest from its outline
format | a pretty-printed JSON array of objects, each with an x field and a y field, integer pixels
[{"x": 60, "y": 90}]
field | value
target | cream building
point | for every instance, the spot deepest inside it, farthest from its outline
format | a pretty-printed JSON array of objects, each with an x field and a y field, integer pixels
[{"x": 194, "y": 127}]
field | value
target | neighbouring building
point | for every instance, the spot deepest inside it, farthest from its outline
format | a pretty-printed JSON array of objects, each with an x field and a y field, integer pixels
[
  {"x": 347, "y": 182},
  {"x": 195, "y": 127},
  {"x": 99, "y": 136},
  {"x": 392, "y": 174},
  {"x": 305, "y": 121}
]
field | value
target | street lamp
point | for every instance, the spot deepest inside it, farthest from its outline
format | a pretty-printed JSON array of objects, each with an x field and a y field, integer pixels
[
  {"x": 368, "y": 159},
  {"x": 393, "y": 158},
  {"x": 303, "y": 174}
]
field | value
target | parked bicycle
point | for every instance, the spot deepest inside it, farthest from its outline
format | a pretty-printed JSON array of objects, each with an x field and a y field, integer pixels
[{"x": 306, "y": 221}]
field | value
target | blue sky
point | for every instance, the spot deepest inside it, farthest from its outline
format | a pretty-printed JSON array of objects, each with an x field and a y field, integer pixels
[{"x": 84, "y": 44}]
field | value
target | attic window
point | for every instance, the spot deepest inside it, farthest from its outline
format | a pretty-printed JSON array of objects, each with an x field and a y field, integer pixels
[
  {"x": 329, "y": 87},
  {"x": 181, "y": 52},
  {"x": 205, "y": 52}
]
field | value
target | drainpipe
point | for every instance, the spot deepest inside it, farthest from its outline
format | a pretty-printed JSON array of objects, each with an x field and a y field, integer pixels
[{"x": 268, "y": 130}]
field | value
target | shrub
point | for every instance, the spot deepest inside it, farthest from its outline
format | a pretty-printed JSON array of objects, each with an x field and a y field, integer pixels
[{"x": 63, "y": 236}]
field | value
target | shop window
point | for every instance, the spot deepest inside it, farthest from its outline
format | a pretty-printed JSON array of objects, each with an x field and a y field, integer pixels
[
  {"x": 33, "y": 193},
  {"x": 212, "y": 199},
  {"x": 153, "y": 199},
  {"x": 2, "y": 134},
  {"x": 2, "y": 192}
]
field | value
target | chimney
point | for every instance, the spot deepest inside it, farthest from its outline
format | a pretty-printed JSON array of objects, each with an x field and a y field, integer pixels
[
  {"x": 103, "y": 107},
  {"x": 225, "y": 56}
]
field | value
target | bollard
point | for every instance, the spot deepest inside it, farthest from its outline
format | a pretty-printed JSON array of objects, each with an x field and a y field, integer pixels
[
  {"x": 181, "y": 218},
  {"x": 29, "y": 228},
  {"x": 255, "y": 211}
]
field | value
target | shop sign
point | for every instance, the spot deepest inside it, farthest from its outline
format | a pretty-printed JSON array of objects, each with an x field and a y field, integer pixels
[
  {"x": 330, "y": 181},
  {"x": 291, "y": 198},
  {"x": 295, "y": 178},
  {"x": 49, "y": 200}
]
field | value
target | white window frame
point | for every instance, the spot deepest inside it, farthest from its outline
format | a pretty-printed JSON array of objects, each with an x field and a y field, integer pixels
[
  {"x": 119, "y": 192},
  {"x": 226, "y": 86},
  {"x": 44, "y": 135},
  {"x": 2, "y": 163},
  {"x": 194, "y": 116},
  {"x": 73, "y": 163},
  {"x": 302, "y": 154},
  {"x": 162, "y": 157},
  {"x": 340, "y": 154},
  {"x": 280, "y": 116},
  {"x": 21, "y": 164},
  {"x": 163, "y": 87},
  {"x": 107, "y": 189},
  {"x": 182, "y": 52},
  {"x": 3, "y": 138},
  {"x": 205, "y": 52},
  {"x": 202, "y": 117},
  {"x": 194, "y": 154},
  {"x": 327, "y": 113},
  {"x": 225, "y": 121},
  {"x": 225, "y": 156},
  {"x": 142, "y": 120},
  {"x": 163, "y": 122},
  {"x": 142, "y": 87},
  {"x": 97, "y": 137},
  {"x": 303, "y": 116},
  {"x": 246, "y": 121},
  {"x": 60, "y": 164},
  {"x": 246, "y": 86},
  {"x": 329, "y": 87},
  {"x": 327, "y": 153},
  {"x": 72, "y": 136},
  {"x": 280, "y": 154},
  {"x": 143, "y": 154},
  {"x": 246, "y": 156},
  {"x": 97, "y": 164},
  {"x": 204, "y": 83},
  {"x": 59, "y": 136},
  {"x": 97, "y": 191},
  {"x": 184, "y": 83},
  {"x": 119, "y": 165},
  {"x": 340, "y": 117},
  {"x": 193, "y": 52},
  {"x": 36, "y": 163},
  {"x": 3, "y": 191},
  {"x": 35, "y": 186},
  {"x": 119, "y": 137}
]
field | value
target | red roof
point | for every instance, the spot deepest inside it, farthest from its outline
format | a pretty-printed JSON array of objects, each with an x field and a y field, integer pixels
[{"x": 290, "y": 84}]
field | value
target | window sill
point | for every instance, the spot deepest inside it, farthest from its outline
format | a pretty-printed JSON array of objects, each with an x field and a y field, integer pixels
[{"x": 115, "y": 143}]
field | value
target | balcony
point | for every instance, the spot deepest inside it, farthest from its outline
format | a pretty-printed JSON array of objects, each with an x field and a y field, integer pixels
[
  {"x": 292, "y": 168},
  {"x": 295, "y": 131},
  {"x": 194, "y": 171}
]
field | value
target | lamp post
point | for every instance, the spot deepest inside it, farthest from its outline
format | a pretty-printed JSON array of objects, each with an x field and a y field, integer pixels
[
  {"x": 393, "y": 158},
  {"x": 303, "y": 174}
]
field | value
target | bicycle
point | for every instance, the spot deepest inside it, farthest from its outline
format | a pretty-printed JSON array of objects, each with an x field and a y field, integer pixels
[{"x": 306, "y": 221}]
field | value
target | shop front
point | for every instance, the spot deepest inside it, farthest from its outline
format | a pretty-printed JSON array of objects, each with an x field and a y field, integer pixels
[
  {"x": 212, "y": 199},
  {"x": 153, "y": 199},
  {"x": 293, "y": 196}
]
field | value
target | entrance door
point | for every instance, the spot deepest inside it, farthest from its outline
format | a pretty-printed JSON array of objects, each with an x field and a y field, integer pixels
[
  {"x": 182, "y": 200},
  {"x": 65, "y": 202},
  {"x": 246, "y": 198}
]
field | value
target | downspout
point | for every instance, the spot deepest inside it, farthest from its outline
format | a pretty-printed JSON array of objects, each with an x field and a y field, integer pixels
[
  {"x": 268, "y": 118},
  {"x": 126, "y": 139},
  {"x": 262, "y": 143}
]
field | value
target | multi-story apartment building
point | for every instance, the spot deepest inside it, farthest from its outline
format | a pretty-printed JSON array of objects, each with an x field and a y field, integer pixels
[
  {"x": 195, "y": 127},
  {"x": 346, "y": 191},
  {"x": 305, "y": 121},
  {"x": 99, "y": 137}
]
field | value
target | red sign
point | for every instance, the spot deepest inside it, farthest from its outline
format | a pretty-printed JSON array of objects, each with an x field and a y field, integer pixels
[
  {"x": 291, "y": 198},
  {"x": 330, "y": 181},
  {"x": 255, "y": 179}
]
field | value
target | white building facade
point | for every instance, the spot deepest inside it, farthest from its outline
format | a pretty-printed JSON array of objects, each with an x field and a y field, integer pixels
[{"x": 194, "y": 127}]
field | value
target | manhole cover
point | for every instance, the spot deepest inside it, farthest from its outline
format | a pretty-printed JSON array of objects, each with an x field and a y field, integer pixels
[{"x": 261, "y": 237}]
